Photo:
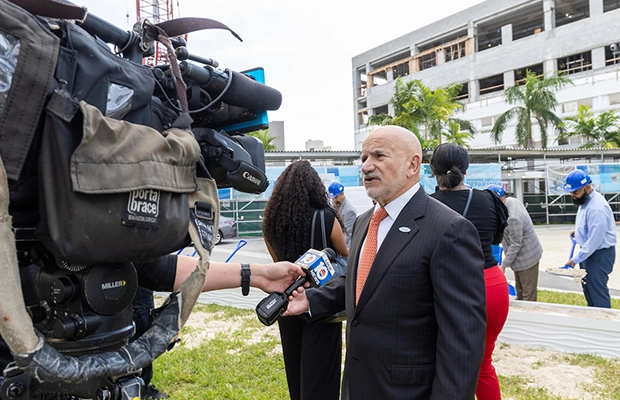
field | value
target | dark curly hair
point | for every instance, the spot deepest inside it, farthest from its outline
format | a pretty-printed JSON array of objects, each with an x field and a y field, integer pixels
[{"x": 287, "y": 219}]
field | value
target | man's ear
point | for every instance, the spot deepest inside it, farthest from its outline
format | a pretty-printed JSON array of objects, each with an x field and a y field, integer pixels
[{"x": 416, "y": 163}]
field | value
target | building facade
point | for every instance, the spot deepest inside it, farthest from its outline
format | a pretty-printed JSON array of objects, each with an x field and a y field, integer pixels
[
  {"x": 276, "y": 129},
  {"x": 489, "y": 47}
]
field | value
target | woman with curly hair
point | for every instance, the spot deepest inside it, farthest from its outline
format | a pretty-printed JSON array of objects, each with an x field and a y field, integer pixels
[{"x": 312, "y": 350}]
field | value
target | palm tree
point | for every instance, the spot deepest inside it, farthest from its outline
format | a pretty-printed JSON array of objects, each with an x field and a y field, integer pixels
[
  {"x": 405, "y": 106},
  {"x": 534, "y": 100},
  {"x": 264, "y": 136},
  {"x": 600, "y": 131},
  {"x": 425, "y": 112},
  {"x": 455, "y": 134}
]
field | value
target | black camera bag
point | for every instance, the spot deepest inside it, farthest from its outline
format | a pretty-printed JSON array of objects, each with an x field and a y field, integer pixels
[{"x": 110, "y": 190}]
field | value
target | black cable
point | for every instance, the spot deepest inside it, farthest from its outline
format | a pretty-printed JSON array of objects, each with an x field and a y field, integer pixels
[
  {"x": 230, "y": 78},
  {"x": 168, "y": 99}
]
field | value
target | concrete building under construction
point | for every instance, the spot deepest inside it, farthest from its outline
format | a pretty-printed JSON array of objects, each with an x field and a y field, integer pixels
[{"x": 489, "y": 47}]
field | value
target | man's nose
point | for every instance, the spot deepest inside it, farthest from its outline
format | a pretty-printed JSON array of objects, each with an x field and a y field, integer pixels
[{"x": 367, "y": 166}]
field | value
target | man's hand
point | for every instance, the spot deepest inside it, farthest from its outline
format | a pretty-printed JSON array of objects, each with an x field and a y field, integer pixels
[
  {"x": 275, "y": 277},
  {"x": 570, "y": 263},
  {"x": 298, "y": 303}
]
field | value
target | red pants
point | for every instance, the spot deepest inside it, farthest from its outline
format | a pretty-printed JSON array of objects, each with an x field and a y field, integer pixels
[{"x": 497, "y": 312}]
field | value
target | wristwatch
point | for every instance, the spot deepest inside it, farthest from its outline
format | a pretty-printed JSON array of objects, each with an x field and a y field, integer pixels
[{"x": 245, "y": 279}]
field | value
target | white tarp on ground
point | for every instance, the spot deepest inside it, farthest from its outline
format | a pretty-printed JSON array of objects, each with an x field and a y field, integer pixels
[{"x": 571, "y": 329}]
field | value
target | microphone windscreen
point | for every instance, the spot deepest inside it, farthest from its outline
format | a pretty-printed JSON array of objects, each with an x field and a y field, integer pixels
[
  {"x": 317, "y": 266},
  {"x": 331, "y": 254},
  {"x": 248, "y": 93}
]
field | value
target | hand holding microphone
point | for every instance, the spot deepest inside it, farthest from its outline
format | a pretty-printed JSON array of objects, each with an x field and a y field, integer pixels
[{"x": 318, "y": 268}]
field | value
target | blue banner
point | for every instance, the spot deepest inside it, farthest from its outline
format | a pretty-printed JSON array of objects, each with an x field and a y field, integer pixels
[{"x": 478, "y": 176}]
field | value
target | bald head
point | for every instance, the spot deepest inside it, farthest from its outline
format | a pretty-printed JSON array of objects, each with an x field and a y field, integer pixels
[
  {"x": 391, "y": 158},
  {"x": 402, "y": 137}
]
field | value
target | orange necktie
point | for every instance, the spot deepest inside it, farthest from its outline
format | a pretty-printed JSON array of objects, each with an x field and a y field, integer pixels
[{"x": 369, "y": 252}]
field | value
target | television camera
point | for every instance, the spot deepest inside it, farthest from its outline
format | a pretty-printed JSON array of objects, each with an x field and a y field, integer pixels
[
  {"x": 80, "y": 309},
  {"x": 223, "y": 104}
]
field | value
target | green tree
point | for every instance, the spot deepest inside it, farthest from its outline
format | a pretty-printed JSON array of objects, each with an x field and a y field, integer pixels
[
  {"x": 534, "y": 100},
  {"x": 427, "y": 113},
  {"x": 455, "y": 134},
  {"x": 600, "y": 131},
  {"x": 264, "y": 136}
]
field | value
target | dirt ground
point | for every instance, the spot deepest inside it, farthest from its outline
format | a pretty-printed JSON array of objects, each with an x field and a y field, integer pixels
[{"x": 542, "y": 368}]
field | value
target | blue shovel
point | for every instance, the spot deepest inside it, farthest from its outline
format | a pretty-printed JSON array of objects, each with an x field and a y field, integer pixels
[
  {"x": 239, "y": 245},
  {"x": 558, "y": 271},
  {"x": 572, "y": 251}
]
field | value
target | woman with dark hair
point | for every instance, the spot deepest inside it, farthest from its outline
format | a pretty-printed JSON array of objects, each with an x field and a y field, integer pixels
[
  {"x": 312, "y": 350},
  {"x": 449, "y": 164}
]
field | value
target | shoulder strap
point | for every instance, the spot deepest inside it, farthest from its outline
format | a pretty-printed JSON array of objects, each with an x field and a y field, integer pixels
[
  {"x": 181, "y": 26},
  {"x": 31, "y": 84},
  {"x": 471, "y": 191},
  {"x": 312, "y": 230},
  {"x": 321, "y": 213},
  {"x": 323, "y": 229},
  {"x": 173, "y": 28},
  {"x": 52, "y": 9}
]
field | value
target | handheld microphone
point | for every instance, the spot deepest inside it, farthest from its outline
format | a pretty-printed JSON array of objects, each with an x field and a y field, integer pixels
[{"x": 318, "y": 268}]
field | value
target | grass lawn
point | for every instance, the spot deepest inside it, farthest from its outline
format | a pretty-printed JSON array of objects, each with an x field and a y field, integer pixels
[{"x": 226, "y": 353}]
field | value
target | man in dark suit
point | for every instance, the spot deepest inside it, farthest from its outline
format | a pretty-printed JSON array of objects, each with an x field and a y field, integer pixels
[{"x": 417, "y": 329}]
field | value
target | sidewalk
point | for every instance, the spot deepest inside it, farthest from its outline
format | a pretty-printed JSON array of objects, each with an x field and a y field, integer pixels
[
  {"x": 554, "y": 238},
  {"x": 556, "y": 248}
]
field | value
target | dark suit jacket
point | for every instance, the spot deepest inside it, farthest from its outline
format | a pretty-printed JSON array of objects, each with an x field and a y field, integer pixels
[{"x": 418, "y": 330}]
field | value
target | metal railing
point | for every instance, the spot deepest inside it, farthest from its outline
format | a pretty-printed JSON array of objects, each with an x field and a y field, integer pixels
[
  {"x": 558, "y": 209},
  {"x": 248, "y": 214}
]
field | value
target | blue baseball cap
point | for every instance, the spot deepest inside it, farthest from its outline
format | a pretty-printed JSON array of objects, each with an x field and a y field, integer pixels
[
  {"x": 334, "y": 189},
  {"x": 497, "y": 189}
]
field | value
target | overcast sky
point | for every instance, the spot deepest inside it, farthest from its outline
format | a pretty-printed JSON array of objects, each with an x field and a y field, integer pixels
[{"x": 305, "y": 47}]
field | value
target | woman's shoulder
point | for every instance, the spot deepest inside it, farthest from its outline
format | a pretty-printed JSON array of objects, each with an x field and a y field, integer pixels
[
  {"x": 329, "y": 210},
  {"x": 439, "y": 194},
  {"x": 484, "y": 194},
  {"x": 450, "y": 194}
]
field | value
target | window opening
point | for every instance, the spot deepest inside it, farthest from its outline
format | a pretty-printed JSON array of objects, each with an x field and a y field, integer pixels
[
  {"x": 492, "y": 84},
  {"x": 520, "y": 73},
  {"x": 612, "y": 54},
  {"x": 575, "y": 63},
  {"x": 609, "y": 5},
  {"x": 569, "y": 11},
  {"x": 428, "y": 61},
  {"x": 400, "y": 70}
]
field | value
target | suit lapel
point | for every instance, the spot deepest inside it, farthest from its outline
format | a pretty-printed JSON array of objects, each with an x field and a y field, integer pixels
[{"x": 392, "y": 245}]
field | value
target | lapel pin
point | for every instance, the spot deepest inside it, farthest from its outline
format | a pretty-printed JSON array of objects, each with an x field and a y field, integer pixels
[{"x": 404, "y": 229}]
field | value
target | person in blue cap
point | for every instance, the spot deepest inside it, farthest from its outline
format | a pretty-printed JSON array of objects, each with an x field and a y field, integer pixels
[
  {"x": 522, "y": 249},
  {"x": 595, "y": 233},
  {"x": 346, "y": 209}
]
